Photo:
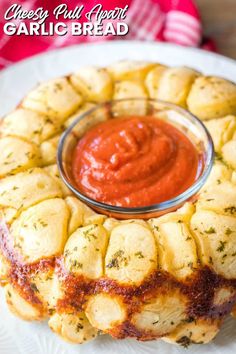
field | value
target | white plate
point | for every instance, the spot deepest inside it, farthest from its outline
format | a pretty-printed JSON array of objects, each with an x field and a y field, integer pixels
[{"x": 18, "y": 337}]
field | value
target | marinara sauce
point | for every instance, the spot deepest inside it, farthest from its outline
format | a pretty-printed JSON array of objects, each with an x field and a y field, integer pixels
[{"x": 134, "y": 161}]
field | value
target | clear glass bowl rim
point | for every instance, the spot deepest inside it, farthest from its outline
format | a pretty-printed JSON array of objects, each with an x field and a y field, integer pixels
[{"x": 171, "y": 203}]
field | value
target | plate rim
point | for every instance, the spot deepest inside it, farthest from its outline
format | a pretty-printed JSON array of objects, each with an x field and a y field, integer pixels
[{"x": 156, "y": 44}]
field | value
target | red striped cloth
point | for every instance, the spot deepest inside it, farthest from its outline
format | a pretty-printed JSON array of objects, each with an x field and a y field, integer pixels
[{"x": 176, "y": 21}]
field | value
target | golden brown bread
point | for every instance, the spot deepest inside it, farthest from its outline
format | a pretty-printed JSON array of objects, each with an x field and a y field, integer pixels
[
  {"x": 172, "y": 277},
  {"x": 94, "y": 84},
  {"x": 56, "y": 99},
  {"x": 212, "y": 97},
  {"x": 175, "y": 84}
]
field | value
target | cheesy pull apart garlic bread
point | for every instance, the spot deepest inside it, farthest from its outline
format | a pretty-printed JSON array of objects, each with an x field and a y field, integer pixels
[{"x": 173, "y": 277}]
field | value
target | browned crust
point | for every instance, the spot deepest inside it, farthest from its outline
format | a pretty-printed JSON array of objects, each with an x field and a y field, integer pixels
[
  {"x": 20, "y": 273},
  {"x": 198, "y": 289}
]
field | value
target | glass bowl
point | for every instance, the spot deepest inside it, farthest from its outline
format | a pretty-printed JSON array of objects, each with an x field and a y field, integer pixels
[{"x": 191, "y": 126}]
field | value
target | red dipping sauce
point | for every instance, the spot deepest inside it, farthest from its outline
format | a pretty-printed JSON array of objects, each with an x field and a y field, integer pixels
[{"x": 134, "y": 162}]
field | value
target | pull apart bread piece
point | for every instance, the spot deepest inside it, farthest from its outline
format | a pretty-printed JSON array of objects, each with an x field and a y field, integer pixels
[
  {"x": 82, "y": 215},
  {"x": 212, "y": 97},
  {"x": 172, "y": 232},
  {"x": 29, "y": 125},
  {"x": 129, "y": 79},
  {"x": 174, "y": 85},
  {"x": 41, "y": 230},
  {"x": 177, "y": 257},
  {"x": 153, "y": 78},
  {"x": 171, "y": 277},
  {"x": 83, "y": 259},
  {"x": 56, "y": 98},
  {"x": 85, "y": 250},
  {"x": 25, "y": 189},
  {"x": 95, "y": 84},
  {"x": 220, "y": 173},
  {"x": 83, "y": 109},
  {"x": 214, "y": 225},
  {"x": 48, "y": 151},
  {"x": 223, "y": 132},
  {"x": 52, "y": 170},
  {"x": 131, "y": 254},
  {"x": 127, "y": 89},
  {"x": 39, "y": 234},
  {"x": 17, "y": 155}
]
